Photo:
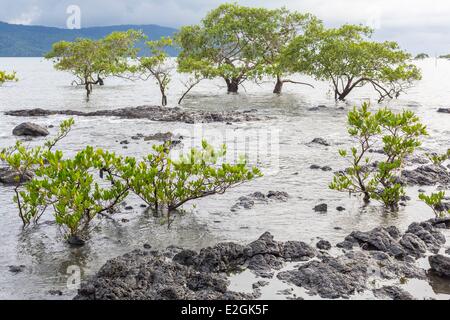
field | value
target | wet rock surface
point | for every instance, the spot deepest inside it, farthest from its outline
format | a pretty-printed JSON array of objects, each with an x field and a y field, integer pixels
[
  {"x": 176, "y": 273},
  {"x": 10, "y": 177},
  {"x": 392, "y": 292},
  {"x": 321, "y": 208},
  {"x": 428, "y": 175},
  {"x": 30, "y": 129},
  {"x": 320, "y": 141},
  {"x": 444, "y": 110},
  {"x": 249, "y": 201},
  {"x": 323, "y": 245},
  {"x": 155, "y": 113},
  {"x": 16, "y": 269},
  {"x": 440, "y": 264}
]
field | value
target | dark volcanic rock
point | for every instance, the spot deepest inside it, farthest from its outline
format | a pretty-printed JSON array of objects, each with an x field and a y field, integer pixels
[
  {"x": 76, "y": 241},
  {"x": 426, "y": 176},
  {"x": 444, "y": 110},
  {"x": 160, "y": 136},
  {"x": 379, "y": 239},
  {"x": 243, "y": 202},
  {"x": 347, "y": 245},
  {"x": 55, "y": 292},
  {"x": 440, "y": 221},
  {"x": 440, "y": 264},
  {"x": 413, "y": 245},
  {"x": 297, "y": 251},
  {"x": 264, "y": 264},
  {"x": 332, "y": 277},
  {"x": 323, "y": 207},
  {"x": 323, "y": 245},
  {"x": 249, "y": 201},
  {"x": 30, "y": 129},
  {"x": 154, "y": 113},
  {"x": 432, "y": 238},
  {"x": 10, "y": 177},
  {"x": 185, "y": 257},
  {"x": 141, "y": 275},
  {"x": 259, "y": 284},
  {"x": 278, "y": 195},
  {"x": 16, "y": 269},
  {"x": 392, "y": 292},
  {"x": 264, "y": 245},
  {"x": 185, "y": 274},
  {"x": 320, "y": 141},
  {"x": 264, "y": 255},
  {"x": 223, "y": 257},
  {"x": 342, "y": 276}
]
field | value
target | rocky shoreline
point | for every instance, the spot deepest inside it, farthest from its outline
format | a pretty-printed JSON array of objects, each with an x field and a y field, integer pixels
[
  {"x": 376, "y": 255},
  {"x": 154, "y": 113}
]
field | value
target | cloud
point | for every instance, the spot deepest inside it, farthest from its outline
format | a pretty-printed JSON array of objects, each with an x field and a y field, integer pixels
[{"x": 419, "y": 25}]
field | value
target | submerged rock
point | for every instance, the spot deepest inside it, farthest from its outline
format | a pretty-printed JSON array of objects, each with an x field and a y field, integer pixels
[
  {"x": 155, "y": 113},
  {"x": 323, "y": 207},
  {"x": 249, "y": 201},
  {"x": 160, "y": 136},
  {"x": 55, "y": 292},
  {"x": 278, "y": 195},
  {"x": 30, "y": 129},
  {"x": 440, "y": 264},
  {"x": 16, "y": 269},
  {"x": 320, "y": 141}
]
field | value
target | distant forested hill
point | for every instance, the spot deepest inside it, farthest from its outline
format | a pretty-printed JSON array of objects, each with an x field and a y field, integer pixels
[{"x": 35, "y": 41}]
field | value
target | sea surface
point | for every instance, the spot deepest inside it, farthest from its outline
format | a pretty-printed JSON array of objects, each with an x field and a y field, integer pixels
[{"x": 279, "y": 145}]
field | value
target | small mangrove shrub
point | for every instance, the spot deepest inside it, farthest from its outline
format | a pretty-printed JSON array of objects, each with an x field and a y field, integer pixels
[
  {"x": 22, "y": 162},
  {"x": 94, "y": 182},
  {"x": 166, "y": 184},
  {"x": 438, "y": 159},
  {"x": 7, "y": 77},
  {"x": 70, "y": 187},
  {"x": 434, "y": 201},
  {"x": 397, "y": 134}
]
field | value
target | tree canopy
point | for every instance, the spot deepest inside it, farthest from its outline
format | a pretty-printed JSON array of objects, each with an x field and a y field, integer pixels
[
  {"x": 421, "y": 56},
  {"x": 226, "y": 44},
  {"x": 349, "y": 59},
  {"x": 91, "y": 61},
  {"x": 157, "y": 65},
  {"x": 286, "y": 26},
  {"x": 238, "y": 43}
]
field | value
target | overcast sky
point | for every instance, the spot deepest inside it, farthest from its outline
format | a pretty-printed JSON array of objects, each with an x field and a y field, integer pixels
[{"x": 418, "y": 25}]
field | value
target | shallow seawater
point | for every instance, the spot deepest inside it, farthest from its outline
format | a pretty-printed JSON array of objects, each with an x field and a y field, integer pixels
[{"x": 49, "y": 263}]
